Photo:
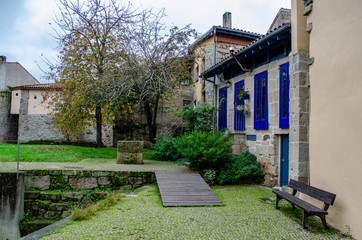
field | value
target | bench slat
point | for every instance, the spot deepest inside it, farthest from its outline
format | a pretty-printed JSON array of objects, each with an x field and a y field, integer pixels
[
  {"x": 314, "y": 192},
  {"x": 300, "y": 203}
]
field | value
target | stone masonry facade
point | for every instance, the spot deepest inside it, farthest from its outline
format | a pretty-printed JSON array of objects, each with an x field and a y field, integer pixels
[
  {"x": 299, "y": 117},
  {"x": 265, "y": 144}
]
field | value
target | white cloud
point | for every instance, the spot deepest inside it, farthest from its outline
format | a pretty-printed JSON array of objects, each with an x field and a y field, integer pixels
[{"x": 29, "y": 37}]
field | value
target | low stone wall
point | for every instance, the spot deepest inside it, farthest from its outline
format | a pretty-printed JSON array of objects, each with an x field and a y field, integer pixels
[
  {"x": 84, "y": 179},
  {"x": 54, "y": 205},
  {"x": 51, "y": 194},
  {"x": 40, "y": 127}
]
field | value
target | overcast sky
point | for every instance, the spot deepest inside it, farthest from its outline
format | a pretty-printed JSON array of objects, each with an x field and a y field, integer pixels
[{"x": 25, "y": 30}]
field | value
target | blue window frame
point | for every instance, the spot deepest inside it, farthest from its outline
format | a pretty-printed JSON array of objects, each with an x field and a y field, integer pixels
[
  {"x": 284, "y": 95},
  {"x": 239, "y": 119},
  {"x": 261, "y": 100},
  {"x": 222, "y": 108}
]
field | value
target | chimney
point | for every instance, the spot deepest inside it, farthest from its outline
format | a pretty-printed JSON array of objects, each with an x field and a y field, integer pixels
[
  {"x": 226, "y": 20},
  {"x": 2, "y": 58}
]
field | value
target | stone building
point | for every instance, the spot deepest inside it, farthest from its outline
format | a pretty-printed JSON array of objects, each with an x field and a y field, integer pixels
[
  {"x": 35, "y": 121},
  {"x": 11, "y": 74},
  {"x": 212, "y": 47},
  {"x": 253, "y": 101}
]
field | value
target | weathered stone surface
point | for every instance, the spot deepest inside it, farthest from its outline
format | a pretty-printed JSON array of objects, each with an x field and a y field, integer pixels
[
  {"x": 130, "y": 146},
  {"x": 59, "y": 206},
  {"x": 83, "y": 183},
  {"x": 100, "y": 173},
  {"x": 129, "y": 158},
  {"x": 103, "y": 181},
  {"x": 72, "y": 196},
  {"x": 50, "y": 196},
  {"x": 35, "y": 182},
  {"x": 55, "y": 172},
  {"x": 31, "y": 195}
]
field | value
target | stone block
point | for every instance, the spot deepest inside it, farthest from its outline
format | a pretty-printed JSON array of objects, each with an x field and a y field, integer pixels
[
  {"x": 130, "y": 146},
  {"x": 59, "y": 206},
  {"x": 130, "y": 152},
  {"x": 129, "y": 158},
  {"x": 31, "y": 195},
  {"x": 100, "y": 173},
  {"x": 103, "y": 181},
  {"x": 35, "y": 182},
  {"x": 70, "y": 172},
  {"x": 72, "y": 196},
  {"x": 55, "y": 172},
  {"x": 269, "y": 169},
  {"x": 83, "y": 183}
]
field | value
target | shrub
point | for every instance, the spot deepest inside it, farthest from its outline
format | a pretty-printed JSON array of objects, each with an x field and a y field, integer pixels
[
  {"x": 205, "y": 150},
  {"x": 165, "y": 148},
  {"x": 241, "y": 168},
  {"x": 198, "y": 118}
]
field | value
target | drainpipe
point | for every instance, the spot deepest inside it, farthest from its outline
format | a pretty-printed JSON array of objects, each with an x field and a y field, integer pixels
[{"x": 215, "y": 89}]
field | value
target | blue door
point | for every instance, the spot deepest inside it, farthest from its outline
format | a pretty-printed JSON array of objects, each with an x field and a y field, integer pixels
[
  {"x": 284, "y": 160},
  {"x": 222, "y": 108}
]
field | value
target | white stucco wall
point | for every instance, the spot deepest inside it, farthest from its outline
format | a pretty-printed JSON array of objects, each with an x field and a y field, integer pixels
[{"x": 336, "y": 109}]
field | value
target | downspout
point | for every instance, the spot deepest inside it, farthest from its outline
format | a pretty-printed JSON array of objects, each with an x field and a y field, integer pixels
[{"x": 215, "y": 89}]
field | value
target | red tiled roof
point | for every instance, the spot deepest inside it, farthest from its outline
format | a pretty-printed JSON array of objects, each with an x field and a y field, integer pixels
[{"x": 40, "y": 86}]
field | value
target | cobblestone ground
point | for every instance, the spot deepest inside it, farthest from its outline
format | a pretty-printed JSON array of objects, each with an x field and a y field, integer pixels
[{"x": 244, "y": 216}]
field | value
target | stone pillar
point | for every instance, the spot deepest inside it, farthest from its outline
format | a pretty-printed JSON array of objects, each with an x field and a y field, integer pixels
[
  {"x": 11, "y": 204},
  {"x": 130, "y": 152},
  {"x": 4, "y": 114},
  {"x": 299, "y": 117},
  {"x": 23, "y": 110}
]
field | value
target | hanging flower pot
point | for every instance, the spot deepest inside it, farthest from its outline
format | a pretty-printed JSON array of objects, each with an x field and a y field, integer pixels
[{"x": 246, "y": 96}]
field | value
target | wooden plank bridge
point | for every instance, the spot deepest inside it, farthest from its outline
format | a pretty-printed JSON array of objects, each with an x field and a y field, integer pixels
[{"x": 185, "y": 189}]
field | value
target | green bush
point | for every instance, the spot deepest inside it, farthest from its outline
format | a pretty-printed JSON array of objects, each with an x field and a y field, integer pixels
[
  {"x": 205, "y": 150},
  {"x": 240, "y": 169},
  {"x": 198, "y": 118},
  {"x": 165, "y": 148}
]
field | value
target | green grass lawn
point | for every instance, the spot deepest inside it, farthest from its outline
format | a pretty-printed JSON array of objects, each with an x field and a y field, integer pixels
[
  {"x": 243, "y": 216},
  {"x": 57, "y": 153}
]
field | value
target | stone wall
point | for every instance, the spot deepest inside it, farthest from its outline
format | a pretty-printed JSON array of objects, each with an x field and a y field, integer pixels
[
  {"x": 40, "y": 127},
  {"x": 299, "y": 117},
  {"x": 56, "y": 179},
  {"x": 51, "y": 194},
  {"x": 4, "y": 114}
]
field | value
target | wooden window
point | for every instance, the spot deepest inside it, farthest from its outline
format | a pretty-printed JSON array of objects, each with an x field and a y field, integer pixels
[
  {"x": 284, "y": 95},
  {"x": 261, "y": 101},
  {"x": 239, "y": 118}
]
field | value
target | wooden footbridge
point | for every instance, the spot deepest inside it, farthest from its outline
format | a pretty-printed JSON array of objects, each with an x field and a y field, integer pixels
[{"x": 185, "y": 189}]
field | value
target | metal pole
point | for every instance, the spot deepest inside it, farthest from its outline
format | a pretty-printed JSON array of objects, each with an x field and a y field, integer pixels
[{"x": 17, "y": 166}]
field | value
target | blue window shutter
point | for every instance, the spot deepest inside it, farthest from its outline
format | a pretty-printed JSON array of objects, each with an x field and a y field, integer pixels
[
  {"x": 222, "y": 108},
  {"x": 261, "y": 101},
  {"x": 284, "y": 83},
  {"x": 239, "y": 118}
]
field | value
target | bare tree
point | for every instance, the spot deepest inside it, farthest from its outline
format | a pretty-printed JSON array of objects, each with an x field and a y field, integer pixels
[
  {"x": 154, "y": 62},
  {"x": 91, "y": 36}
]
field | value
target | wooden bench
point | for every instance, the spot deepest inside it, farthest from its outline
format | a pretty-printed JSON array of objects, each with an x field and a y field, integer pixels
[{"x": 308, "y": 209}]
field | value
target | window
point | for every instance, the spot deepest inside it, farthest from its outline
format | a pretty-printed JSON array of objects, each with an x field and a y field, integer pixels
[
  {"x": 222, "y": 108},
  {"x": 284, "y": 95},
  {"x": 16, "y": 94},
  {"x": 261, "y": 100},
  {"x": 239, "y": 119},
  {"x": 35, "y": 97}
]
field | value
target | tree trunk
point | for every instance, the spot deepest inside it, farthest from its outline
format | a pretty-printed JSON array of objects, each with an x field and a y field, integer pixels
[
  {"x": 151, "y": 119},
  {"x": 98, "y": 116}
]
